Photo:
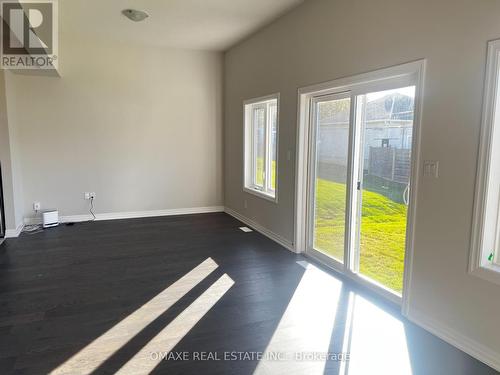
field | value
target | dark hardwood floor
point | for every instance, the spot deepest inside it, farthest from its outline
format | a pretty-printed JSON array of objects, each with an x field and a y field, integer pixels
[{"x": 108, "y": 297}]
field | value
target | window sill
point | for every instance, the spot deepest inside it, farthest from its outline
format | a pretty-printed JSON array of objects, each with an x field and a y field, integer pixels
[
  {"x": 489, "y": 272},
  {"x": 261, "y": 194}
]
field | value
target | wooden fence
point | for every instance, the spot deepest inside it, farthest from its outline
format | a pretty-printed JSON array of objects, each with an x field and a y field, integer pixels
[{"x": 390, "y": 163}]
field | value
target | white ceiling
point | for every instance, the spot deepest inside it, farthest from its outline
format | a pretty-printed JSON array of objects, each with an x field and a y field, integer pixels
[{"x": 194, "y": 24}]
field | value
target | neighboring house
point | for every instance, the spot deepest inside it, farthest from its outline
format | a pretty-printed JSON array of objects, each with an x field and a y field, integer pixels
[{"x": 387, "y": 138}]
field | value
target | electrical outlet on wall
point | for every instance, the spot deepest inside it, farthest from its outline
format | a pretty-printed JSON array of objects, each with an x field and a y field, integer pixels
[
  {"x": 89, "y": 195},
  {"x": 36, "y": 206}
]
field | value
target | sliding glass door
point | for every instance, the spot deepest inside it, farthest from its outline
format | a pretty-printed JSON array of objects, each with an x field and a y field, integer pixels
[
  {"x": 359, "y": 181},
  {"x": 330, "y": 121},
  {"x": 385, "y": 124}
]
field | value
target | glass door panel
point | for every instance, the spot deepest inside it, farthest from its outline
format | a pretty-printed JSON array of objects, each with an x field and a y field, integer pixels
[
  {"x": 384, "y": 121},
  {"x": 329, "y": 174}
]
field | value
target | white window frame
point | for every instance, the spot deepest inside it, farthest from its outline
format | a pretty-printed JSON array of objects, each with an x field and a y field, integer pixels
[
  {"x": 249, "y": 186},
  {"x": 485, "y": 238}
]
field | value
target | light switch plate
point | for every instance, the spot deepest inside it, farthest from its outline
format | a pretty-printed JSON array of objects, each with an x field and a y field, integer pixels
[{"x": 431, "y": 168}]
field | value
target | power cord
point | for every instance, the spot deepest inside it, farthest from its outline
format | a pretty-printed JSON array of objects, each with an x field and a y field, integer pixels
[
  {"x": 92, "y": 208},
  {"x": 33, "y": 228},
  {"x": 37, "y": 228}
]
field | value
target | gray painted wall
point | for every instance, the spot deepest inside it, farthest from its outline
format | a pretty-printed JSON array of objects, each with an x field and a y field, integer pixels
[
  {"x": 10, "y": 163},
  {"x": 324, "y": 39},
  {"x": 140, "y": 126},
  {"x": 5, "y": 158}
]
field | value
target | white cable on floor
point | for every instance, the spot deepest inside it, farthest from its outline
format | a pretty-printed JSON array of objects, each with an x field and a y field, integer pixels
[{"x": 32, "y": 228}]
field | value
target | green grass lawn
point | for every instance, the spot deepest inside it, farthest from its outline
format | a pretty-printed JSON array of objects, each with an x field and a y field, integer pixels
[
  {"x": 383, "y": 232},
  {"x": 260, "y": 173}
]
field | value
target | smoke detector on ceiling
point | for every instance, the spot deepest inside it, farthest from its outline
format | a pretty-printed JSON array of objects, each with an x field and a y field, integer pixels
[{"x": 135, "y": 15}]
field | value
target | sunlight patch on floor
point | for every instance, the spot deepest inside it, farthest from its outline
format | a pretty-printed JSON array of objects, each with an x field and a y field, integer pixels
[
  {"x": 306, "y": 325},
  {"x": 378, "y": 342},
  {"x": 98, "y": 351},
  {"x": 145, "y": 361}
]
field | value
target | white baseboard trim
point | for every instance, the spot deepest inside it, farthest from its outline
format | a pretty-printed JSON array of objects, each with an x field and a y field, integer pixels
[
  {"x": 456, "y": 339},
  {"x": 13, "y": 233},
  {"x": 131, "y": 215},
  {"x": 259, "y": 228}
]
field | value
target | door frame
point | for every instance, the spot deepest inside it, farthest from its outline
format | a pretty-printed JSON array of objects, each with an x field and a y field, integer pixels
[
  {"x": 3, "y": 229},
  {"x": 411, "y": 73}
]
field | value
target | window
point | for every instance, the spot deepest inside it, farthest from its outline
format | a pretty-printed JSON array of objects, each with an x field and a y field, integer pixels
[
  {"x": 485, "y": 252},
  {"x": 261, "y": 146}
]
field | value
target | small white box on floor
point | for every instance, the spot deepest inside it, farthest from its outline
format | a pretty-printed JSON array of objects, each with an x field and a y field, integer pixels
[{"x": 50, "y": 218}]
